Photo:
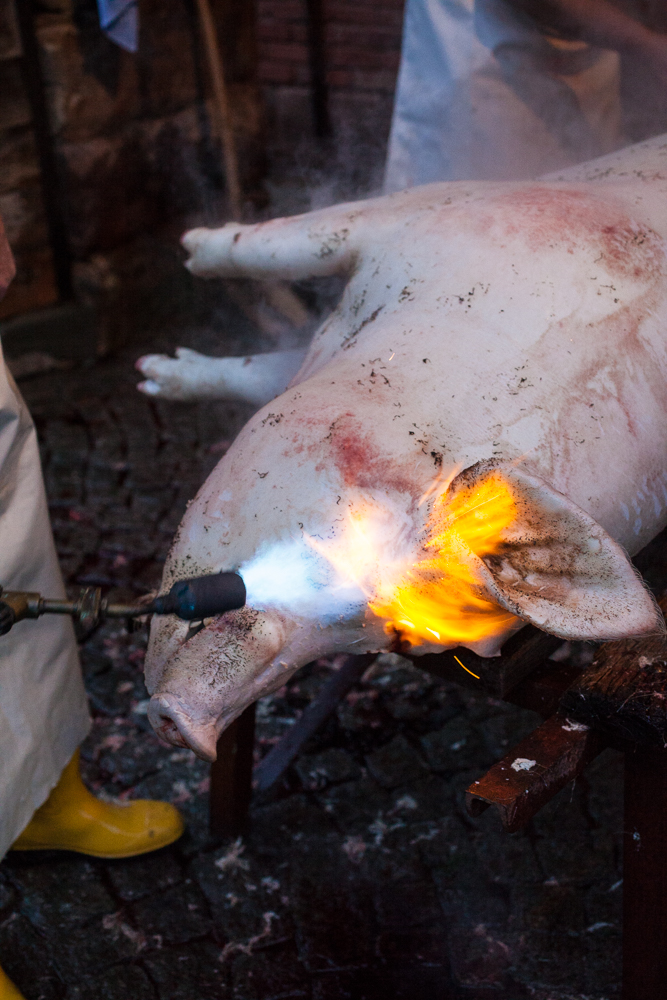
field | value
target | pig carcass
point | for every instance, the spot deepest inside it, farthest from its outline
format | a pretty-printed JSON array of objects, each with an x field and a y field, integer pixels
[{"x": 474, "y": 440}]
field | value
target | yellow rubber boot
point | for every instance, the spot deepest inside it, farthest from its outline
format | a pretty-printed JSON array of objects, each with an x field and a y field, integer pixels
[
  {"x": 72, "y": 819},
  {"x": 7, "y": 989}
]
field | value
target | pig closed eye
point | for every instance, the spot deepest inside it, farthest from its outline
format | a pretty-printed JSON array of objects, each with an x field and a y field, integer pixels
[{"x": 193, "y": 628}]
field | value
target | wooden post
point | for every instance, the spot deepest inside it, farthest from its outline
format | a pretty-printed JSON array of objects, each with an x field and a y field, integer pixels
[
  {"x": 645, "y": 875},
  {"x": 318, "y": 71},
  {"x": 231, "y": 777},
  {"x": 33, "y": 79},
  {"x": 216, "y": 68}
]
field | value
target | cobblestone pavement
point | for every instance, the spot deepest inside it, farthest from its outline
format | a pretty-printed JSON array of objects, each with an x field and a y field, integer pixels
[{"x": 365, "y": 879}]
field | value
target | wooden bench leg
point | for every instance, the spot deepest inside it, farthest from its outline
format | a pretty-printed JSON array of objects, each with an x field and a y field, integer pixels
[
  {"x": 231, "y": 777},
  {"x": 645, "y": 875}
]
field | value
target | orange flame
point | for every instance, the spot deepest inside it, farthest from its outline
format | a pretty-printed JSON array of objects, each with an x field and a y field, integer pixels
[{"x": 439, "y": 598}]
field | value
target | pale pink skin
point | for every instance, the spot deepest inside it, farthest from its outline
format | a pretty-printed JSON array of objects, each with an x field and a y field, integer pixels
[
  {"x": 524, "y": 322},
  {"x": 7, "y": 267}
]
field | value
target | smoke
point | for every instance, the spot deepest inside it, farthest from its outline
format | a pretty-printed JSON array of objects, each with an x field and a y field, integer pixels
[
  {"x": 363, "y": 557},
  {"x": 291, "y": 574}
]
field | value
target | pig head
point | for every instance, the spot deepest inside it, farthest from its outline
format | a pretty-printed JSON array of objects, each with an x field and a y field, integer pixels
[{"x": 553, "y": 566}]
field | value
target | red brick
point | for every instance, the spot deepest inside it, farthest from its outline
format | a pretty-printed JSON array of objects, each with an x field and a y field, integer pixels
[
  {"x": 379, "y": 6},
  {"x": 382, "y": 80},
  {"x": 361, "y": 58},
  {"x": 279, "y": 32},
  {"x": 284, "y": 52},
  {"x": 34, "y": 286},
  {"x": 360, "y": 17},
  {"x": 281, "y": 10},
  {"x": 376, "y": 37},
  {"x": 14, "y": 107},
  {"x": 362, "y": 43},
  {"x": 284, "y": 74},
  {"x": 18, "y": 159},
  {"x": 10, "y": 44}
]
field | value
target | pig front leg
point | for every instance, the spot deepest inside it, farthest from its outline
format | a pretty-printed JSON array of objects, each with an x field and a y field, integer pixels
[
  {"x": 255, "y": 379},
  {"x": 317, "y": 244}
]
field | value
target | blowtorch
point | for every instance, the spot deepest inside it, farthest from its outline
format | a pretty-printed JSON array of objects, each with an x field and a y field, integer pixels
[{"x": 190, "y": 600}]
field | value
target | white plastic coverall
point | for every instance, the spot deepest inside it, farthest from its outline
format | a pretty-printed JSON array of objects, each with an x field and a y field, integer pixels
[
  {"x": 483, "y": 94},
  {"x": 43, "y": 710}
]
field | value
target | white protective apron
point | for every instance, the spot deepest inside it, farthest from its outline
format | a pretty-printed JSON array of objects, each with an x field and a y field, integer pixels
[
  {"x": 484, "y": 95},
  {"x": 43, "y": 709}
]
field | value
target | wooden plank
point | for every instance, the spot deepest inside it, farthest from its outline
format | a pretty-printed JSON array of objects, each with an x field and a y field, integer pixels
[
  {"x": 534, "y": 771},
  {"x": 278, "y": 759},
  {"x": 624, "y": 691}
]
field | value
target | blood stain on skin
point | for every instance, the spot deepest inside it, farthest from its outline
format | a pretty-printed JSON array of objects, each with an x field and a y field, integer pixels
[
  {"x": 564, "y": 219},
  {"x": 360, "y": 461}
]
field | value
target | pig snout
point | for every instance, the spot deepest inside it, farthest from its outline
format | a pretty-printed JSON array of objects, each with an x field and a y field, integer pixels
[
  {"x": 200, "y": 684},
  {"x": 172, "y": 722}
]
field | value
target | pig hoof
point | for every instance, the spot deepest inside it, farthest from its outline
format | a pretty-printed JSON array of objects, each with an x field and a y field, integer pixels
[
  {"x": 178, "y": 378},
  {"x": 149, "y": 387},
  {"x": 209, "y": 249}
]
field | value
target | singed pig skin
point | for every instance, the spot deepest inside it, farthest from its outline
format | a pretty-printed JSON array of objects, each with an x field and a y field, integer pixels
[{"x": 521, "y": 322}]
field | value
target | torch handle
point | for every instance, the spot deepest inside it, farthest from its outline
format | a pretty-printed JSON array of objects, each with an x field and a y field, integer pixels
[{"x": 190, "y": 600}]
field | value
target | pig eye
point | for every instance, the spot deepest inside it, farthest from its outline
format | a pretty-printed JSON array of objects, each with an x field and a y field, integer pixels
[{"x": 193, "y": 628}]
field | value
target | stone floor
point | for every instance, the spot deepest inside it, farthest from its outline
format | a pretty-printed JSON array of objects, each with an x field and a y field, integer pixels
[{"x": 365, "y": 878}]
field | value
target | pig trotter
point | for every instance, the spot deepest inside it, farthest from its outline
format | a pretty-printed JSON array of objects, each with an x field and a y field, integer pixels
[{"x": 255, "y": 379}]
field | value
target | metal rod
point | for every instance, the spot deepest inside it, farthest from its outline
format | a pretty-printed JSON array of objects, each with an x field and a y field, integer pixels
[
  {"x": 279, "y": 758},
  {"x": 48, "y": 607}
]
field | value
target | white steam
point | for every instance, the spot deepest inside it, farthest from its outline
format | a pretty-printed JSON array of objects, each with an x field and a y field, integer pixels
[
  {"x": 291, "y": 574},
  {"x": 335, "y": 573}
]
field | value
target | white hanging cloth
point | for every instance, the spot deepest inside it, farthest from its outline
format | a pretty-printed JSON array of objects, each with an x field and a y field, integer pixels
[
  {"x": 43, "y": 709},
  {"x": 483, "y": 94}
]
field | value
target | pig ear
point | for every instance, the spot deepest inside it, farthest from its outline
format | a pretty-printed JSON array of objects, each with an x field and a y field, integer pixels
[{"x": 558, "y": 568}]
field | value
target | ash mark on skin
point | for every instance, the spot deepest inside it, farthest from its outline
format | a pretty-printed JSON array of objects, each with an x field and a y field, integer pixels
[
  {"x": 349, "y": 337},
  {"x": 332, "y": 243},
  {"x": 232, "y": 646}
]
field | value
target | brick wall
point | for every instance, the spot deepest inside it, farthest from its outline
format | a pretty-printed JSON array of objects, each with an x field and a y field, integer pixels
[
  {"x": 131, "y": 132},
  {"x": 362, "y": 43},
  {"x": 21, "y": 204},
  {"x": 134, "y": 135}
]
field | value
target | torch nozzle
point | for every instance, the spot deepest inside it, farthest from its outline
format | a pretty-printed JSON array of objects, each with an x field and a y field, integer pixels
[
  {"x": 202, "y": 597},
  {"x": 191, "y": 600}
]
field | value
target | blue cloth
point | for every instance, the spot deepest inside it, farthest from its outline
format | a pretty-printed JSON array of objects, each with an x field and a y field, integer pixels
[
  {"x": 478, "y": 98},
  {"x": 120, "y": 21}
]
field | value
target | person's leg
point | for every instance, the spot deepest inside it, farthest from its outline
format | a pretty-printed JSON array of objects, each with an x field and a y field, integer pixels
[
  {"x": 8, "y": 990},
  {"x": 72, "y": 819}
]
